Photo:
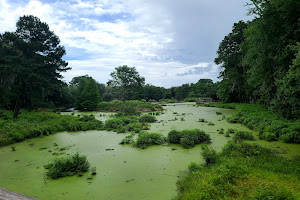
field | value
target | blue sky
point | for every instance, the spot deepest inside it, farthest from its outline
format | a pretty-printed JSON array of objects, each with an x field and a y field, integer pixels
[{"x": 170, "y": 42}]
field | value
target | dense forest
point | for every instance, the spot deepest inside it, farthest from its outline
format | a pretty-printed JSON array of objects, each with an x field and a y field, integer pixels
[{"x": 260, "y": 59}]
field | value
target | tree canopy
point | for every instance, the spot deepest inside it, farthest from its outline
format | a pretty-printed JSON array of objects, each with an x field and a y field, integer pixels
[{"x": 30, "y": 64}]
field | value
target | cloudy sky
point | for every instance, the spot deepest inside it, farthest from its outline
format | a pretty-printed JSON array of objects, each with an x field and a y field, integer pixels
[{"x": 170, "y": 42}]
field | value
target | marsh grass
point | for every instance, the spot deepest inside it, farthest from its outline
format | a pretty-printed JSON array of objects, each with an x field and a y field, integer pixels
[
  {"x": 242, "y": 171},
  {"x": 188, "y": 138},
  {"x": 67, "y": 166},
  {"x": 32, "y": 124},
  {"x": 146, "y": 139},
  {"x": 270, "y": 125}
]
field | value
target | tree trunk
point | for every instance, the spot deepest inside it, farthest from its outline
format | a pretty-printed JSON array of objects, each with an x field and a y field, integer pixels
[{"x": 17, "y": 109}]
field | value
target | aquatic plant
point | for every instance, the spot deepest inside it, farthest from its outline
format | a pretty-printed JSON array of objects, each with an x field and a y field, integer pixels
[
  {"x": 210, "y": 124},
  {"x": 67, "y": 166},
  {"x": 147, "y": 118},
  {"x": 243, "y": 135},
  {"x": 259, "y": 118},
  {"x": 146, "y": 139},
  {"x": 188, "y": 138},
  {"x": 209, "y": 155},
  {"x": 32, "y": 124},
  {"x": 221, "y": 131},
  {"x": 218, "y": 113},
  {"x": 127, "y": 140}
]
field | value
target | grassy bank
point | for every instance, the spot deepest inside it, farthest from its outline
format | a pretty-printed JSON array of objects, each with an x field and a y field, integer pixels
[
  {"x": 270, "y": 126},
  {"x": 242, "y": 171},
  {"x": 32, "y": 124}
]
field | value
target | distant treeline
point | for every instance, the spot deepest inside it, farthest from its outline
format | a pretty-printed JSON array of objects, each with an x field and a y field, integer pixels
[
  {"x": 83, "y": 92},
  {"x": 260, "y": 60}
]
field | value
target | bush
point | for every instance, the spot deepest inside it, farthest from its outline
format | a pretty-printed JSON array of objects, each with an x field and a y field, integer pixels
[
  {"x": 147, "y": 118},
  {"x": 127, "y": 140},
  {"x": 193, "y": 167},
  {"x": 68, "y": 166},
  {"x": 209, "y": 155},
  {"x": 114, "y": 123},
  {"x": 243, "y": 135},
  {"x": 174, "y": 136},
  {"x": 147, "y": 139},
  {"x": 188, "y": 138}
]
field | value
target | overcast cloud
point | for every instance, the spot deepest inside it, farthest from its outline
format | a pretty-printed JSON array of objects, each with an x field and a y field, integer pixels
[{"x": 170, "y": 42}]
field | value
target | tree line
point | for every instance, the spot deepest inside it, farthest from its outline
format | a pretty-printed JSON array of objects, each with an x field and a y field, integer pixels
[
  {"x": 83, "y": 92},
  {"x": 260, "y": 59},
  {"x": 30, "y": 75}
]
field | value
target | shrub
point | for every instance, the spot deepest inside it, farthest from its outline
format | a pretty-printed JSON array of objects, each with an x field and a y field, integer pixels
[
  {"x": 221, "y": 131},
  {"x": 209, "y": 155},
  {"x": 69, "y": 166},
  {"x": 147, "y": 139},
  {"x": 127, "y": 140},
  {"x": 174, "y": 136},
  {"x": 193, "y": 167},
  {"x": 114, "y": 123},
  {"x": 147, "y": 118},
  {"x": 230, "y": 130},
  {"x": 211, "y": 124},
  {"x": 188, "y": 138},
  {"x": 243, "y": 135}
]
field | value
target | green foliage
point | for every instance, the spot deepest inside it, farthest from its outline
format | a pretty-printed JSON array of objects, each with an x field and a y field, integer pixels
[
  {"x": 86, "y": 92},
  {"x": 221, "y": 131},
  {"x": 34, "y": 124},
  {"x": 127, "y": 140},
  {"x": 188, "y": 138},
  {"x": 147, "y": 118},
  {"x": 258, "y": 118},
  {"x": 127, "y": 82},
  {"x": 193, "y": 167},
  {"x": 209, "y": 155},
  {"x": 128, "y": 107},
  {"x": 69, "y": 166},
  {"x": 30, "y": 65},
  {"x": 242, "y": 171},
  {"x": 243, "y": 135},
  {"x": 147, "y": 139}
]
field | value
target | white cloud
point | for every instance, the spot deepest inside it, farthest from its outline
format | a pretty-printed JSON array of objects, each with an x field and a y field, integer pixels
[{"x": 162, "y": 38}]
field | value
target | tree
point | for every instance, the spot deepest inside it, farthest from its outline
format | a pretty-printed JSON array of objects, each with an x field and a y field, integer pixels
[
  {"x": 269, "y": 45},
  {"x": 154, "y": 93},
  {"x": 86, "y": 92},
  {"x": 233, "y": 86},
  {"x": 126, "y": 81},
  {"x": 31, "y": 63},
  {"x": 287, "y": 101}
]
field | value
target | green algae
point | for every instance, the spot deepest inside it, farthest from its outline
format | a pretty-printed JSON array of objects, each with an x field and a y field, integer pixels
[{"x": 123, "y": 172}]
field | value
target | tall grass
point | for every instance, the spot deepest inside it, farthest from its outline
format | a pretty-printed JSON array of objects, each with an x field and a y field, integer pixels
[
  {"x": 242, "y": 171},
  {"x": 270, "y": 125},
  {"x": 32, "y": 124}
]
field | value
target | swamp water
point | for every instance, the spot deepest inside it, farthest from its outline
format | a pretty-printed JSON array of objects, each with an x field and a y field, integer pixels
[{"x": 123, "y": 172}]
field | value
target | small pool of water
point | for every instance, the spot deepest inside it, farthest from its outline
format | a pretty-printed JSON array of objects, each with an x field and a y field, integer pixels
[{"x": 124, "y": 172}]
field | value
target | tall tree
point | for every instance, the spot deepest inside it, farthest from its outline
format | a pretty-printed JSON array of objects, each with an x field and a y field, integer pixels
[
  {"x": 233, "y": 86},
  {"x": 32, "y": 62},
  {"x": 269, "y": 45},
  {"x": 126, "y": 81}
]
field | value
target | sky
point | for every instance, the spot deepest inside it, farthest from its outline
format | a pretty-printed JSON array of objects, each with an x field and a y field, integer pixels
[{"x": 169, "y": 42}]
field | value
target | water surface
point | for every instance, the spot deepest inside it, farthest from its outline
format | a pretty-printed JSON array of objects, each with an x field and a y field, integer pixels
[{"x": 124, "y": 172}]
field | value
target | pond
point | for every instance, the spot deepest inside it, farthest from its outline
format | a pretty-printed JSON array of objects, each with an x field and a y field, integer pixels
[{"x": 123, "y": 172}]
